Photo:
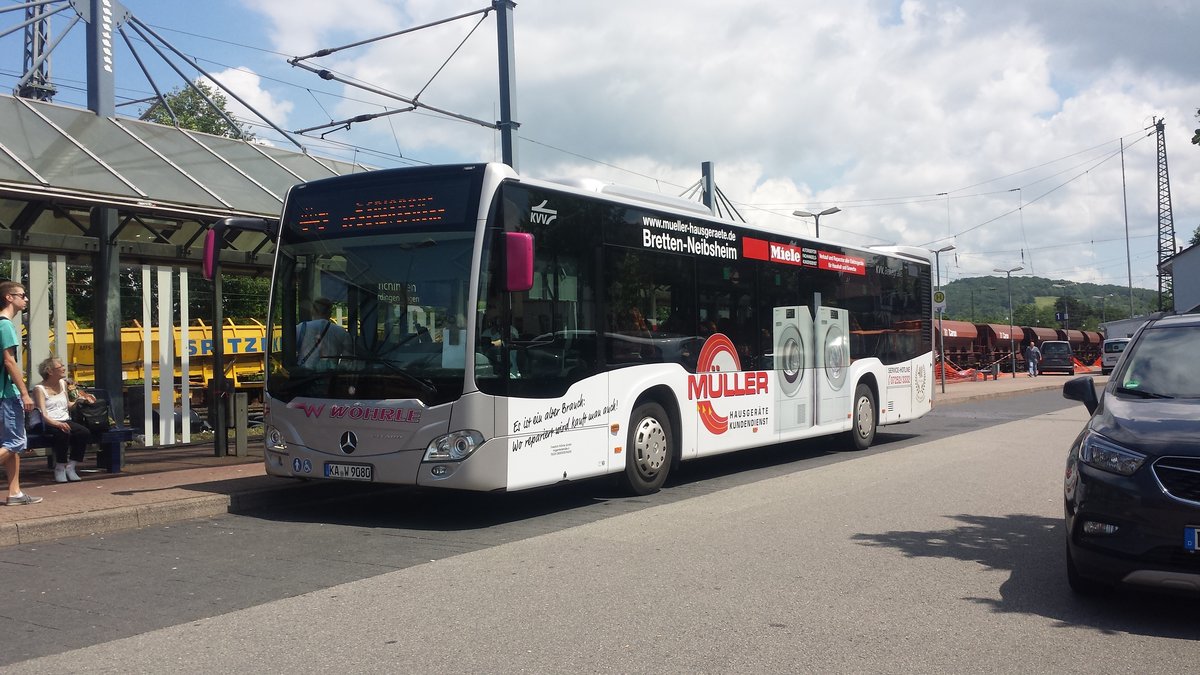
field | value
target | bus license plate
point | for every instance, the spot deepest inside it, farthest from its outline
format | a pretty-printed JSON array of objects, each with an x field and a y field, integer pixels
[
  {"x": 1191, "y": 539},
  {"x": 349, "y": 471}
]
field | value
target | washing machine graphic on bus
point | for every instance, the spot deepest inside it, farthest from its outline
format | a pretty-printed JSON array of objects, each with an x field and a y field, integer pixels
[
  {"x": 832, "y": 326},
  {"x": 794, "y": 352}
]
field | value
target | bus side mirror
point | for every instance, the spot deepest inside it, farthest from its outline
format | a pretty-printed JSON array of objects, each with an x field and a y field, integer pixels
[
  {"x": 211, "y": 251},
  {"x": 518, "y": 251},
  {"x": 213, "y": 237}
]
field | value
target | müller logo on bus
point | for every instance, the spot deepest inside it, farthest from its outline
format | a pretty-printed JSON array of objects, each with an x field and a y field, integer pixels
[{"x": 720, "y": 377}]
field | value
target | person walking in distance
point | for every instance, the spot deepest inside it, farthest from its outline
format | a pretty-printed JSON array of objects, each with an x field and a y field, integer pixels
[
  {"x": 1033, "y": 356},
  {"x": 14, "y": 396}
]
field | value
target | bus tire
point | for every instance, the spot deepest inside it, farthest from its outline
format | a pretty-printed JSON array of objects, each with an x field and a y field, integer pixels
[
  {"x": 649, "y": 450},
  {"x": 864, "y": 418}
]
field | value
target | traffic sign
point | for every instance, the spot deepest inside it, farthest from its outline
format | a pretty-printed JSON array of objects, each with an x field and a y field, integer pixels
[{"x": 939, "y": 301}]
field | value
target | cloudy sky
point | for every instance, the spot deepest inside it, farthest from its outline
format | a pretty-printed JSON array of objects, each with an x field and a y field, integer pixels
[{"x": 995, "y": 127}]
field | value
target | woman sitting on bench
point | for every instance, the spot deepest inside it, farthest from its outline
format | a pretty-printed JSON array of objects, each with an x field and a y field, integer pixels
[{"x": 53, "y": 399}]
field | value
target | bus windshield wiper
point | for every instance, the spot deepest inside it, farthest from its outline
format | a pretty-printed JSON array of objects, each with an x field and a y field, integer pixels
[
  {"x": 1141, "y": 393},
  {"x": 294, "y": 380}
]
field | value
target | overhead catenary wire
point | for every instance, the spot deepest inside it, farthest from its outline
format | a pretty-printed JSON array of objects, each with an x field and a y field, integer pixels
[{"x": 1043, "y": 195}]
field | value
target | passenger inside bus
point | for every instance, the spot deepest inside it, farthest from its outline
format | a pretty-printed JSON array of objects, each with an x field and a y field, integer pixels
[
  {"x": 631, "y": 340},
  {"x": 495, "y": 338},
  {"x": 320, "y": 341}
]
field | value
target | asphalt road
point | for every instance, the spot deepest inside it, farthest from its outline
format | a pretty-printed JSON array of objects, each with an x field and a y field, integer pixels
[{"x": 939, "y": 550}]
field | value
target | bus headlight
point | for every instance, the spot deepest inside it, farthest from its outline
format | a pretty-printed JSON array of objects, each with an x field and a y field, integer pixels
[
  {"x": 453, "y": 447},
  {"x": 274, "y": 440}
]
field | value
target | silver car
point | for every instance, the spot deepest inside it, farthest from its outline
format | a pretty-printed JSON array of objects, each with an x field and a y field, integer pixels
[{"x": 1110, "y": 353}]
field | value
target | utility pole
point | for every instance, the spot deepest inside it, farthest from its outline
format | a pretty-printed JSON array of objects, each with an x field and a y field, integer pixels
[
  {"x": 1125, "y": 204},
  {"x": 1012, "y": 347},
  {"x": 1166, "y": 225},
  {"x": 937, "y": 256},
  {"x": 508, "y": 81}
]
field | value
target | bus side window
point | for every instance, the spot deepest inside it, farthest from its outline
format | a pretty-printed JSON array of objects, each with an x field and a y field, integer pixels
[
  {"x": 647, "y": 296},
  {"x": 726, "y": 292}
]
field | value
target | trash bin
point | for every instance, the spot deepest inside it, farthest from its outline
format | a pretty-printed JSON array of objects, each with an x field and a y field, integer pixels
[{"x": 995, "y": 371}]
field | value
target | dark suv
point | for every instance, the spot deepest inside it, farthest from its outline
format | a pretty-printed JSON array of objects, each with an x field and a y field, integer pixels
[
  {"x": 1132, "y": 488},
  {"x": 1057, "y": 357}
]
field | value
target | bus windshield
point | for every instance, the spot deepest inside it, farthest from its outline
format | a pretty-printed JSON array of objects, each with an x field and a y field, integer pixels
[{"x": 370, "y": 289}]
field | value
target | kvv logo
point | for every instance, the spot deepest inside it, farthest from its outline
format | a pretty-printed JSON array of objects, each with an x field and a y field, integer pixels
[{"x": 541, "y": 215}]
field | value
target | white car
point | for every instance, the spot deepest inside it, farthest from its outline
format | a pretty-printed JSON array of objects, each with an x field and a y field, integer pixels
[{"x": 1110, "y": 353}]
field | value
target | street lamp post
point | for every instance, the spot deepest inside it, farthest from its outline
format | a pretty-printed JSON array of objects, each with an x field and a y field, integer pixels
[
  {"x": 1012, "y": 347},
  {"x": 1066, "y": 306},
  {"x": 817, "y": 218},
  {"x": 1102, "y": 299},
  {"x": 937, "y": 256}
]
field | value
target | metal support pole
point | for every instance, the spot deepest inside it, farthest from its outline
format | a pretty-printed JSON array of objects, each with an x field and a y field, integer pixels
[
  {"x": 1012, "y": 347},
  {"x": 217, "y": 395},
  {"x": 1125, "y": 203},
  {"x": 708, "y": 176},
  {"x": 107, "y": 317},
  {"x": 241, "y": 414},
  {"x": 101, "y": 95},
  {"x": 508, "y": 80},
  {"x": 937, "y": 256}
]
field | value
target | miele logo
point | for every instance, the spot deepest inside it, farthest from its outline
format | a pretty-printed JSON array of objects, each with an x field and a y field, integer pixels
[{"x": 542, "y": 215}]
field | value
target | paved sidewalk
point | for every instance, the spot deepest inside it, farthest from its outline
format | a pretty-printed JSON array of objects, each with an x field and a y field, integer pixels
[{"x": 165, "y": 485}]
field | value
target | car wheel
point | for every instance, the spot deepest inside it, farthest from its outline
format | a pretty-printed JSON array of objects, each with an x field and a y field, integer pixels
[
  {"x": 865, "y": 418},
  {"x": 649, "y": 448},
  {"x": 1079, "y": 584}
]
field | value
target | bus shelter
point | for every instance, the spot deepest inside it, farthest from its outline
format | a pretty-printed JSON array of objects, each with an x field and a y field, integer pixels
[{"x": 62, "y": 167}]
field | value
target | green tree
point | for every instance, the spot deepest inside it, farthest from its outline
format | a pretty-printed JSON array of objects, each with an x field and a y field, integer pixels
[
  {"x": 244, "y": 297},
  {"x": 195, "y": 113},
  {"x": 1195, "y": 235}
]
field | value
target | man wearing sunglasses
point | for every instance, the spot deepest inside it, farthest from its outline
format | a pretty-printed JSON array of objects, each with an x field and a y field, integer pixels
[{"x": 15, "y": 400}]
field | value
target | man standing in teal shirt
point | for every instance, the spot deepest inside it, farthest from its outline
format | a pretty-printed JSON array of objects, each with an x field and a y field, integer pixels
[{"x": 14, "y": 395}]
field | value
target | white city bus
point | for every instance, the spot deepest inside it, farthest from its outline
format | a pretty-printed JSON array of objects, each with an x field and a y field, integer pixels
[{"x": 503, "y": 333}]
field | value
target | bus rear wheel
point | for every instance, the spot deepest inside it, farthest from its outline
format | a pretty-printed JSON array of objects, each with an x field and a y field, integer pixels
[
  {"x": 649, "y": 450},
  {"x": 865, "y": 418}
]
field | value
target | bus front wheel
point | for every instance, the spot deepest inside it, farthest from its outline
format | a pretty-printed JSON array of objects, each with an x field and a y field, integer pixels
[
  {"x": 648, "y": 450},
  {"x": 865, "y": 418}
]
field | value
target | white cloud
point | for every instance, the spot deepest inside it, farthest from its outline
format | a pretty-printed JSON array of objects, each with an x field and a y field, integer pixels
[
  {"x": 918, "y": 119},
  {"x": 303, "y": 26},
  {"x": 248, "y": 86}
]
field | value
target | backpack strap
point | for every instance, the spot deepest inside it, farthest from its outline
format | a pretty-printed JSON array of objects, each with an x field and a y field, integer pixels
[
  {"x": 317, "y": 344},
  {"x": 4, "y": 378}
]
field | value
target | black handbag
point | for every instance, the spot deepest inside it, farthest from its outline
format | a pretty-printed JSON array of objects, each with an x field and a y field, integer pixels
[{"x": 94, "y": 416}]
